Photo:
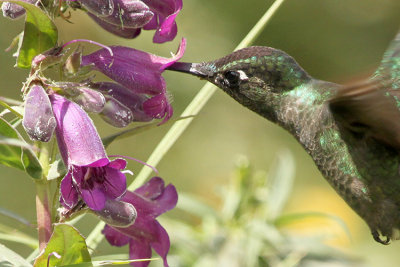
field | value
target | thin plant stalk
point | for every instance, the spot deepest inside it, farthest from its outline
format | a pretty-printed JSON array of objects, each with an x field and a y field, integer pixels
[
  {"x": 198, "y": 103},
  {"x": 179, "y": 127}
]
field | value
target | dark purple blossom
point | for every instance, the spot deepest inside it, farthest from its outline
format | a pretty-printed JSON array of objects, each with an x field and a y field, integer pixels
[
  {"x": 91, "y": 175},
  {"x": 150, "y": 201},
  {"x": 140, "y": 72},
  {"x": 126, "y": 18}
]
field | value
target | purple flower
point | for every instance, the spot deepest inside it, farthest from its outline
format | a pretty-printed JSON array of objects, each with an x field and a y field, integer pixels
[
  {"x": 91, "y": 175},
  {"x": 39, "y": 122},
  {"x": 164, "y": 19},
  {"x": 150, "y": 200},
  {"x": 126, "y": 17},
  {"x": 126, "y": 98},
  {"x": 140, "y": 72}
]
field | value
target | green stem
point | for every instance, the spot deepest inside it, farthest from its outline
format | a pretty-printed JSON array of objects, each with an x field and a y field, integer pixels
[
  {"x": 179, "y": 127},
  {"x": 198, "y": 103},
  {"x": 43, "y": 200}
]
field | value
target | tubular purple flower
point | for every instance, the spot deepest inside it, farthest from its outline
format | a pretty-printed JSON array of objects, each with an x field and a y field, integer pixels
[
  {"x": 91, "y": 175},
  {"x": 139, "y": 72},
  {"x": 129, "y": 16},
  {"x": 164, "y": 20},
  {"x": 150, "y": 201},
  {"x": 39, "y": 122}
]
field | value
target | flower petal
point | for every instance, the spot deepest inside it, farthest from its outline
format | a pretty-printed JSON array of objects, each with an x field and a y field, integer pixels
[
  {"x": 152, "y": 199},
  {"x": 118, "y": 164},
  {"x": 115, "y": 183},
  {"x": 161, "y": 244},
  {"x": 158, "y": 107},
  {"x": 166, "y": 10},
  {"x": 114, "y": 237},
  {"x": 78, "y": 140},
  {"x": 152, "y": 189},
  {"x": 94, "y": 197},
  {"x": 139, "y": 249},
  {"x": 68, "y": 193}
]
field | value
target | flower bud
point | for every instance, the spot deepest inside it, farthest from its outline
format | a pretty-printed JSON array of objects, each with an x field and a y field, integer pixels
[
  {"x": 90, "y": 100},
  {"x": 129, "y": 14},
  {"x": 99, "y": 7},
  {"x": 126, "y": 97},
  {"x": 12, "y": 11},
  {"x": 39, "y": 122},
  {"x": 117, "y": 213},
  {"x": 115, "y": 113}
]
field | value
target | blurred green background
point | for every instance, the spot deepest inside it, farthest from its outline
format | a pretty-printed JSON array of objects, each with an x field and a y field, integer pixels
[{"x": 335, "y": 40}]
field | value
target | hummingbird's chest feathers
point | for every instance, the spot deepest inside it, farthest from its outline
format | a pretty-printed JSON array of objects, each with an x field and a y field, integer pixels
[{"x": 306, "y": 115}]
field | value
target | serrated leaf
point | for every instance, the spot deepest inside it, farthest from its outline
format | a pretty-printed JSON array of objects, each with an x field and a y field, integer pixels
[
  {"x": 67, "y": 242},
  {"x": 15, "y": 154},
  {"x": 40, "y": 34},
  {"x": 10, "y": 258}
]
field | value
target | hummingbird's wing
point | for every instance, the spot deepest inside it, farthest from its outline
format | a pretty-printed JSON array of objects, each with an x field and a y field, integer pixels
[{"x": 372, "y": 108}]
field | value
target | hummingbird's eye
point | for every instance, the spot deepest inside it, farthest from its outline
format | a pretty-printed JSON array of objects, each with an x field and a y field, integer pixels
[{"x": 232, "y": 77}]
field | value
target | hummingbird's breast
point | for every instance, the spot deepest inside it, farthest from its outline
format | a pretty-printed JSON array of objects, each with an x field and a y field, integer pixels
[{"x": 363, "y": 171}]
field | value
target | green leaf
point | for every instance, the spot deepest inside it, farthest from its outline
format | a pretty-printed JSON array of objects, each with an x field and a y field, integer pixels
[
  {"x": 67, "y": 242},
  {"x": 40, "y": 34},
  {"x": 57, "y": 170},
  {"x": 10, "y": 258},
  {"x": 16, "y": 153}
]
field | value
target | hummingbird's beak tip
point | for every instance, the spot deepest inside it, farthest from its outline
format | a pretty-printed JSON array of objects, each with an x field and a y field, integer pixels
[{"x": 195, "y": 69}]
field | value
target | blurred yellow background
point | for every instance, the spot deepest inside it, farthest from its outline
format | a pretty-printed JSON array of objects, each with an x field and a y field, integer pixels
[{"x": 335, "y": 40}]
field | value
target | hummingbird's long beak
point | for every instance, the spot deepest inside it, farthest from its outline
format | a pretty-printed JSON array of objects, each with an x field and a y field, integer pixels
[{"x": 196, "y": 69}]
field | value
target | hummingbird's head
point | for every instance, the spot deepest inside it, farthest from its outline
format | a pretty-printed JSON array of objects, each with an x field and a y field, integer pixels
[{"x": 252, "y": 75}]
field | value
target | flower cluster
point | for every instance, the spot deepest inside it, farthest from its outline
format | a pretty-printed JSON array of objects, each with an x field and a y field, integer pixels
[{"x": 137, "y": 93}]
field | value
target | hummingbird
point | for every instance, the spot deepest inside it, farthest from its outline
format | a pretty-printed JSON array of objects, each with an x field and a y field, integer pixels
[{"x": 352, "y": 132}]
